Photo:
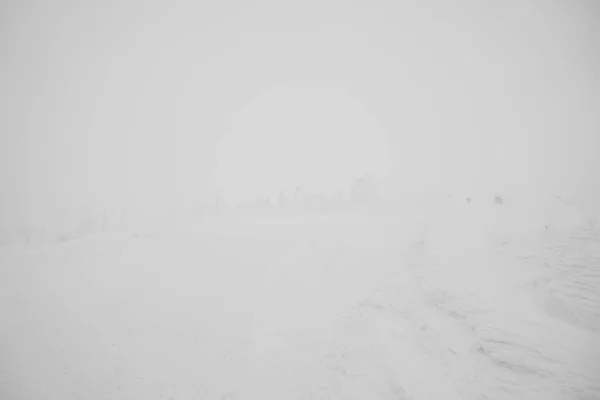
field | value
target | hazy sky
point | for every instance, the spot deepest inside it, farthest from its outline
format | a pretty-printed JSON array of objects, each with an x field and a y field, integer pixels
[
  {"x": 315, "y": 137},
  {"x": 157, "y": 105}
]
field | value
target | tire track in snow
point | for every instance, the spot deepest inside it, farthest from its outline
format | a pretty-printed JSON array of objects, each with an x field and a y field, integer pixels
[{"x": 303, "y": 295}]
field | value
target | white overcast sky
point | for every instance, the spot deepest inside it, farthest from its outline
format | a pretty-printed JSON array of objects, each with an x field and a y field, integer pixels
[{"x": 155, "y": 105}]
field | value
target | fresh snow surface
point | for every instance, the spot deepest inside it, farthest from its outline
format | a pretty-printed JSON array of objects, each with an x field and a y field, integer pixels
[{"x": 444, "y": 306}]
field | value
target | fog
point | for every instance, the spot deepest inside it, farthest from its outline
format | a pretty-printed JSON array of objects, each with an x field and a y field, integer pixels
[
  {"x": 320, "y": 139},
  {"x": 299, "y": 200},
  {"x": 143, "y": 110}
]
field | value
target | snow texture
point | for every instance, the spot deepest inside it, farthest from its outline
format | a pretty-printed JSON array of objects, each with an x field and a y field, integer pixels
[{"x": 452, "y": 306}]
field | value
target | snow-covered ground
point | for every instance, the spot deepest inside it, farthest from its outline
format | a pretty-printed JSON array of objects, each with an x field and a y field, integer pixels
[{"x": 456, "y": 304}]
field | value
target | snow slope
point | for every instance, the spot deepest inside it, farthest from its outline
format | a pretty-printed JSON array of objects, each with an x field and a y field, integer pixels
[{"x": 453, "y": 306}]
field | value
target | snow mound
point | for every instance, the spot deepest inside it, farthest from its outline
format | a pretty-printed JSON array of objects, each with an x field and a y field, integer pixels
[{"x": 569, "y": 280}]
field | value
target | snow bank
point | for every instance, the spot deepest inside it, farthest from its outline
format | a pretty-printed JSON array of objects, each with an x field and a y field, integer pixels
[
  {"x": 568, "y": 282},
  {"x": 488, "y": 328}
]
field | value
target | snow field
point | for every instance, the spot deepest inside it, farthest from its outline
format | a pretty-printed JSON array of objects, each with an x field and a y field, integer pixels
[{"x": 460, "y": 305}]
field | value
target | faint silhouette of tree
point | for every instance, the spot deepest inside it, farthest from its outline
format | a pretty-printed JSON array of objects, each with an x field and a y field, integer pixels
[{"x": 364, "y": 189}]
